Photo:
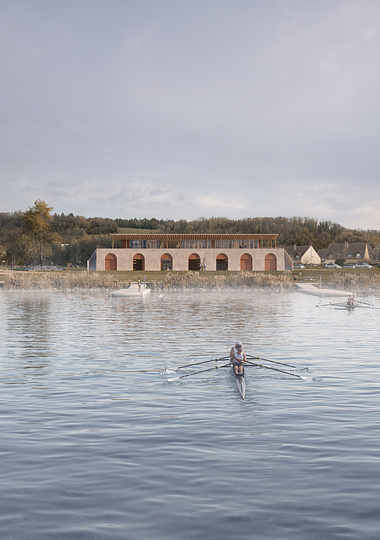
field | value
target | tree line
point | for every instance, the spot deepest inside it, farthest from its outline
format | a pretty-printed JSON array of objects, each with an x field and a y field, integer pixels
[{"x": 38, "y": 236}]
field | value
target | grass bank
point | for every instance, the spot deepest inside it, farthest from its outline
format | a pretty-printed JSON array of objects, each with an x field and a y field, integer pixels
[
  {"x": 81, "y": 279},
  {"x": 347, "y": 279},
  {"x": 350, "y": 279}
]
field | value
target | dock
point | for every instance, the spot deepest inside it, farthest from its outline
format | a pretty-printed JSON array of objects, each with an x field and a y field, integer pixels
[{"x": 308, "y": 288}]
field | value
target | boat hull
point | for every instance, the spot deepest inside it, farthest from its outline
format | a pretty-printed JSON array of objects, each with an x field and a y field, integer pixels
[
  {"x": 125, "y": 292},
  {"x": 133, "y": 290},
  {"x": 240, "y": 383}
]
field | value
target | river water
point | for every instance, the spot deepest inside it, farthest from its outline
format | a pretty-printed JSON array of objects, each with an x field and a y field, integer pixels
[{"x": 97, "y": 444}]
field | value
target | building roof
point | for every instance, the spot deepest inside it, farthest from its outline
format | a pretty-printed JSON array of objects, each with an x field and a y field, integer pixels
[
  {"x": 346, "y": 250},
  {"x": 297, "y": 250}
]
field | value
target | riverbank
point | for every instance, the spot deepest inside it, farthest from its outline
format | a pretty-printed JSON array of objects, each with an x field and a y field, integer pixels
[{"x": 346, "y": 279}]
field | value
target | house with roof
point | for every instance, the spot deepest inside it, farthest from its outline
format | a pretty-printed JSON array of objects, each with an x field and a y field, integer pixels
[
  {"x": 355, "y": 252},
  {"x": 182, "y": 252},
  {"x": 303, "y": 254}
]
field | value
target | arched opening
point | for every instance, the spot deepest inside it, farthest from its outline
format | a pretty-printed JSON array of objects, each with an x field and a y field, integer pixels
[
  {"x": 138, "y": 262},
  {"x": 222, "y": 262},
  {"x": 270, "y": 262},
  {"x": 194, "y": 262},
  {"x": 166, "y": 262},
  {"x": 110, "y": 262},
  {"x": 246, "y": 262}
]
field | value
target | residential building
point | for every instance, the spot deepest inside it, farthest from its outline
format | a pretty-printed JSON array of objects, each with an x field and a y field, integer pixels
[
  {"x": 355, "y": 252},
  {"x": 303, "y": 254}
]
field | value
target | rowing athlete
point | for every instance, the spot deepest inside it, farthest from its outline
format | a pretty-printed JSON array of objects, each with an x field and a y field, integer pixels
[
  {"x": 238, "y": 358},
  {"x": 351, "y": 301}
]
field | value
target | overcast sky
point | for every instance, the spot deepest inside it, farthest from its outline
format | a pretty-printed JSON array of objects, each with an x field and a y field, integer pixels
[{"x": 192, "y": 108}]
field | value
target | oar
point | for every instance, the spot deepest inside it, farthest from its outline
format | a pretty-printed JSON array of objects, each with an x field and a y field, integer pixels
[
  {"x": 281, "y": 371},
  {"x": 198, "y": 363},
  {"x": 266, "y": 360},
  {"x": 196, "y": 372},
  {"x": 366, "y": 303},
  {"x": 332, "y": 304}
]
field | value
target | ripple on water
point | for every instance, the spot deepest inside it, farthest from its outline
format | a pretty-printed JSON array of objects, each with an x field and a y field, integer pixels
[{"x": 97, "y": 444}]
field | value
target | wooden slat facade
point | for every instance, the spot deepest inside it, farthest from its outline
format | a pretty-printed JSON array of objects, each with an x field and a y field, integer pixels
[
  {"x": 173, "y": 236},
  {"x": 172, "y": 240}
]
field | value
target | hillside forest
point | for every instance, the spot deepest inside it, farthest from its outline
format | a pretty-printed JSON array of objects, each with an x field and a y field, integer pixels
[{"x": 40, "y": 237}]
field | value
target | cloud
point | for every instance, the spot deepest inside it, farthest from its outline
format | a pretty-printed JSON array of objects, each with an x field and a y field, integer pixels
[
  {"x": 211, "y": 203},
  {"x": 176, "y": 109}
]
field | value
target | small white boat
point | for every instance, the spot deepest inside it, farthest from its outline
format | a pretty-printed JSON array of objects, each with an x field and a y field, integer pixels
[
  {"x": 345, "y": 306},
  {"x": 307, "y": 288},
  {"x": 240, "y": 383},
  {"x": 135, "y": 289},
  {"x": 349, "y": 305}
]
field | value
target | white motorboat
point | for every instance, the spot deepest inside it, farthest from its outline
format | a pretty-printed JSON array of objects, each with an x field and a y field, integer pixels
[{"x": 135, "y": 289}]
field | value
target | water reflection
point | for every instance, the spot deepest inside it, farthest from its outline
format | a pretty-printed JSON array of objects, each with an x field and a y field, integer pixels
[{"x": 29, "y": 319}]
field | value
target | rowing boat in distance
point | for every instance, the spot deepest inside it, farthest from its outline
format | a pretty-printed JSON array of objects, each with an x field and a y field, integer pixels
[
  {"x": 240, "y": 383},
  {"x": 349, "y": 305},
  {"x": 345, "y": 306}
]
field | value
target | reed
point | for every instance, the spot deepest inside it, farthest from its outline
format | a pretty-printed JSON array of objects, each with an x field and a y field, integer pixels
[
  {"x": 61, "y": 281},
  {"x": 356, "y": 281},
  {"x": 224, "y": 280}
]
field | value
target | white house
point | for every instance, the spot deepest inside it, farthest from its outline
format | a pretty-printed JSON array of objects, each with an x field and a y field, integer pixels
[{"x": 303, "y": 254}]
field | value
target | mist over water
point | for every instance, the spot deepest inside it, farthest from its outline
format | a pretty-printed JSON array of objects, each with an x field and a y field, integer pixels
[{"x": 97, "y": 444}]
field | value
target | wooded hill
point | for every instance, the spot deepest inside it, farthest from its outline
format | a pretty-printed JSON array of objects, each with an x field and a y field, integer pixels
[{"x": 72, "y": 239}]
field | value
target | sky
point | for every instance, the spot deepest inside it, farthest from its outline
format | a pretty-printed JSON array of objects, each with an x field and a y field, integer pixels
[{"x": 181, "y": 109}]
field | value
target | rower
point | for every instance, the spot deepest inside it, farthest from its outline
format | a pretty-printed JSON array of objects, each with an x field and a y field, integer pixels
[
  {"x": 238, "y": 358},
  {"x": 351, "y": 301}
]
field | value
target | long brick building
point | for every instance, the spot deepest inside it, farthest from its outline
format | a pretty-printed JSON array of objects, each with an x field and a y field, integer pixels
[{"x": 210, "y": 252}]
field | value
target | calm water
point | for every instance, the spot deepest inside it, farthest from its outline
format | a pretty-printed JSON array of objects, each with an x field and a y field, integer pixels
[{"x": 96, "y": 444}]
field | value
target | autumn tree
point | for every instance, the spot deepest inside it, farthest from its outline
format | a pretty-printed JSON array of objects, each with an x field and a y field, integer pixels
[{"x": 37, "y": 227}]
